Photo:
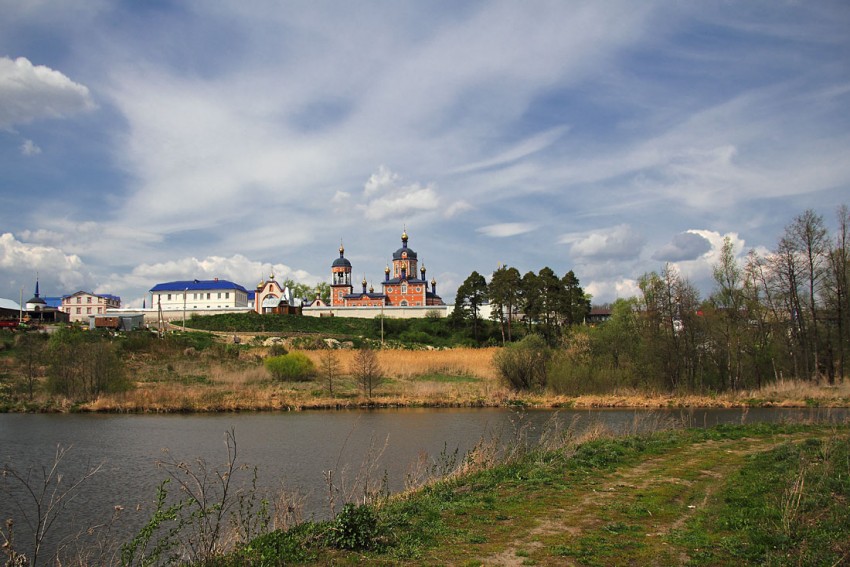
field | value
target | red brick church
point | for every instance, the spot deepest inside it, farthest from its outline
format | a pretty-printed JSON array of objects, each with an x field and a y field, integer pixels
[{"x": 401, "y": 286}]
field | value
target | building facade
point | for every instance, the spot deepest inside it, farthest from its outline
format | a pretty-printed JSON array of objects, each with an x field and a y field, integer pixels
[
  {"x": 404, "y": 285},
  {"x": 198, "y": 295},
  {"x": 271, "y": 298},
  {"x": 79, "y": 306}
]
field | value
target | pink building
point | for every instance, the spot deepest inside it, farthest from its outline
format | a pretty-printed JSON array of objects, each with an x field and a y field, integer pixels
[{"x": 80, "y": 305}]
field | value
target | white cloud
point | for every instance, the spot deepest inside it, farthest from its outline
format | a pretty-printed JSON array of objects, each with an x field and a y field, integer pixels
[
  {"x": 619, "y": 242},
  {"x": 456, "y": 208},
  {"x": 606, "y": 291},
  {"x": 391, "y": 198},
  {"x": 524, "y": 149},
  {"x": 15, "y": 255},
  {"x": 236, "y": 268},
  {"x": 28, "y": 148},
  {"x": 58, "y": 270},
  {"x": 688, "y": 245},
  {"x": 407, "y": 201},
  {"x": 380, "y": 180},
  {"x": 31, "y": 92},
  {"x": 341, "y": 197},
  {"x": 700, "y": 270},
  {"x": 507, "y": 229}
]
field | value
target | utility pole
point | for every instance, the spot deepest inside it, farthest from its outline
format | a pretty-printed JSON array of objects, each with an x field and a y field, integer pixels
[{"x": 184, "y": 309}]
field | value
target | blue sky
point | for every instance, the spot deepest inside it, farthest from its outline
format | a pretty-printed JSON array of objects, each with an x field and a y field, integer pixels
[{"x": 143, "y": 142}]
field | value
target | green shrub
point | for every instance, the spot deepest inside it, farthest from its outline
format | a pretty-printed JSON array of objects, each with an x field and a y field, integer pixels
[
  {"x": 355, "y": 528},
  {"x": 278, "y": 547},
  {"x": 292, "y": 367},
  {"x": 523, "y": 365}
]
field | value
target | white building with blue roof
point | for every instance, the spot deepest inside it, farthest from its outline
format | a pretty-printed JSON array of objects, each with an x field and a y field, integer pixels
[{"x": 194, "y": 296}]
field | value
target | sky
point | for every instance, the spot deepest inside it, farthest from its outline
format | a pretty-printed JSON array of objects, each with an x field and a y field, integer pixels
[{"x": 146, "y": 142}]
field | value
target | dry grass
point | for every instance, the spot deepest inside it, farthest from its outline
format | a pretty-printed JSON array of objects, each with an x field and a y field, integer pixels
[
  {"x": 437, "y": 378},
  {"x": 406, "y": 364}
]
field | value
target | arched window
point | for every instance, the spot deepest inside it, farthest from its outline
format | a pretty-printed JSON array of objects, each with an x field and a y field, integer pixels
[{"x": 403, "y": 303}]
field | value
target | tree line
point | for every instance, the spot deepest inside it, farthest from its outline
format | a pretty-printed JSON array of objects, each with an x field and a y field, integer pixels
[
  {"x": 542, "y": 303},
  {"x": 783, "y": 313}
]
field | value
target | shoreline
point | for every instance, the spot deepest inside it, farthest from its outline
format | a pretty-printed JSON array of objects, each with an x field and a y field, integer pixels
[{"x": 600, "y": 402}]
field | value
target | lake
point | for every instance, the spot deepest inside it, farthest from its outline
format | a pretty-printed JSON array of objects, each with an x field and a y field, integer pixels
[{"x": 294, "y": 450}]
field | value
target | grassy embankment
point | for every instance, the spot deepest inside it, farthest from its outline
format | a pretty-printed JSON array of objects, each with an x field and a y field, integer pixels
[{"x": 731, "y": 495}]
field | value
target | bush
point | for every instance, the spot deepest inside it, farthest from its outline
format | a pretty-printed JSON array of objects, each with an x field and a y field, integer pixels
[
  {"x": 277, "y": 349},
  {"x": 83, "y": 365},
  {"x": 523, "y": 364},
  {"x": 355, "y": 528},
  {"x": 292, "y": 367}
]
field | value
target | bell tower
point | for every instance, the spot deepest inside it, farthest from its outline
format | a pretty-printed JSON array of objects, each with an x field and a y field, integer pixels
[{"x": 340, "y": 279}]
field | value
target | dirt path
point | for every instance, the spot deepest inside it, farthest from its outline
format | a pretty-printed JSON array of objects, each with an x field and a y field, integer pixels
[{"x": 624, "y": 517}]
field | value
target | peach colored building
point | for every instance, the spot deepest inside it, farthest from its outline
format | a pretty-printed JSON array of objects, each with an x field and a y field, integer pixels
[{"x": 80, "y": 305}]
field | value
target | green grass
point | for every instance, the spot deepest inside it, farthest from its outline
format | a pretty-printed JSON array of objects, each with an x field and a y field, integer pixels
[
  {"x": 401, "y": 333},
  {"x": 710, "y": 497},
  {"x": 766, "y": 515}
]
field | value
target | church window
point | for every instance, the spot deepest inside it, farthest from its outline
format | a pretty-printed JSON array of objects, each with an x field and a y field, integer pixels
[
  {"x": 404, "y": 288},
  {"x": 403, "y": 303}
]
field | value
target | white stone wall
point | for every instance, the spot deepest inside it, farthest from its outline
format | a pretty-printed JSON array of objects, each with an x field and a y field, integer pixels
[{"x": 372, "y": 312}]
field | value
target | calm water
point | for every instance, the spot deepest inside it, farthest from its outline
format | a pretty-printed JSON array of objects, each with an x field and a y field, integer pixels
[{"x": 292, "y": 449}]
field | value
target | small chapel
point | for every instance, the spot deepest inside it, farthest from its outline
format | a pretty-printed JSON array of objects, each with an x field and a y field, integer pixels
[{"x": 404, "y": 285}]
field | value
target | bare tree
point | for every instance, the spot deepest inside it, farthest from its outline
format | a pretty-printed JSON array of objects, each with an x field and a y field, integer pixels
[
  {"x": 836, "y": 288},
  {"x": 47, "y": 495},
  {"x": 808, "y": 240},
  {"x": 329, "y": 363},
  {"x": 366, "y": 369}
]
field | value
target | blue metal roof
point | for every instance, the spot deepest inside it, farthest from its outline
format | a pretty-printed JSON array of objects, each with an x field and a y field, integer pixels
[{"x": 197, "y": 285}]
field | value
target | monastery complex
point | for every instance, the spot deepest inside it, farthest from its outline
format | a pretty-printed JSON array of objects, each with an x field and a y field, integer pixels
[
  {"x": 401, "y": 286},
  {"x": 405, "y": 293}
]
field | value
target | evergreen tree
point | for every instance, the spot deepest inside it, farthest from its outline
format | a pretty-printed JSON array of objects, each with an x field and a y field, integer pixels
[
  {"x": 504, "y": 295},
  {"x": 471, "y": 295}
]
